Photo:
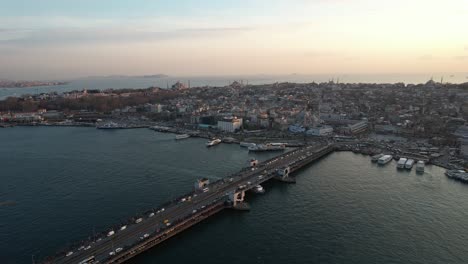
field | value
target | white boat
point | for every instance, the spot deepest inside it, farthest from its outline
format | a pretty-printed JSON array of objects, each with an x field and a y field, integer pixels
[
  {"x": 385, "y": 159},
  {"x": 267, "y": 147},
  {"x": 108, "y": 125},
  {"x": 375, "y": 158},
  {"x": 258, "y": 189},
  {"x": 183, "y": 136},
  {"x": 420, "y": 166},
  {"x": 401, "y": 163},
  {"x": 247, "y": 144},
  {"x": 409, "y": 164},
  {"x": 213, "y": 142}
]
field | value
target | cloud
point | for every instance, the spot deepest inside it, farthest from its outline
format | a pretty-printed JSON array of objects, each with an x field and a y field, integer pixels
[
  {"x": 64, "y": 36},
  {"x": 320, "y": 53},
  {"x": 461, "y": 57},
  {"x": 426, "y": 57}
]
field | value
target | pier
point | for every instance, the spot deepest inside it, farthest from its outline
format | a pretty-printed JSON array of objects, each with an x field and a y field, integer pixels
[{"x": 207, "y": 199}]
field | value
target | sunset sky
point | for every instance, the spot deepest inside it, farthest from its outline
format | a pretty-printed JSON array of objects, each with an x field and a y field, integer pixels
[{"x": 51, "y": 39}]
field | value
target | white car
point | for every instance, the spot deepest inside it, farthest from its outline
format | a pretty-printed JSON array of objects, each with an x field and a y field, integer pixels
[
  {"x": 118, "y": 250},
  {"x": 123, "y": 227},
  {"x": 151, "y": 215},
  {"x": 69, "y": 253},
  {"x": 112, "y": 253}
]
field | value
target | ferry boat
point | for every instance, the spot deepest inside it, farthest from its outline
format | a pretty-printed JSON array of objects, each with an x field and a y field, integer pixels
[
  {"x": 182, "y": 136},
  {"x": 385, "y": 159},
  {"x": 420, "y": 166},
  {"x": 247, "y": 144},
  {"x": 108, "y": 125},
  {"x": 375, "y": 158},
  {"x": 459, "y": 175},
  {"x": 401, "y": 163},
  {"x": 267, "y": 147},
  {"x": 409, "y": 164},
  {"x": 213, "y": 142}
]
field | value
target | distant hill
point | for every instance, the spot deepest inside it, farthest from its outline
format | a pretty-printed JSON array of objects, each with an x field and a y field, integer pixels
[
  {"x": 130, "y": 76},
  {"x": 154, "y": 76}
]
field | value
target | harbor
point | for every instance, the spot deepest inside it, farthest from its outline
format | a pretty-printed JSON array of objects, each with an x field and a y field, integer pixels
[{"x": 118, "y": 187}]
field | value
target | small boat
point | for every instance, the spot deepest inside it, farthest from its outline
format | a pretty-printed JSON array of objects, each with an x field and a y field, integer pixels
[
  {"x": 375, "y": 158},
  {"x": 258, "y": 189},
  {"x": 459, "y": 175},
  {"x": 409, "y": 164},
  {"x": 213, "y": 142},
  {"x": 420, "y": 166},
  {"x": 182, "y": 136},
  {"x": 401, "y": 163},
  {"x": 385, "y": 159},
  {"x": 247, "y": 144}
]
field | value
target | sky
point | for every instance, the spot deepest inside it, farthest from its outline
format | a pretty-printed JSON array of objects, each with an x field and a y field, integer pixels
[{"x": 57, "y": 39}]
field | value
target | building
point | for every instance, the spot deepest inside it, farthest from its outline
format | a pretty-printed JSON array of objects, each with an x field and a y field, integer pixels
[
  {"x": 320, "y": 131},
  {"x": 230, "y": 124},
  {"x": 358, "y": 127},
  {"x": 462, "y": 134}
]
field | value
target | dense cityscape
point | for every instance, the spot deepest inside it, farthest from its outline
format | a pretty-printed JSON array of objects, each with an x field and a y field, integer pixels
[
  {"x": 331, "y": 132},
  {"x": 433, "y": 113}
]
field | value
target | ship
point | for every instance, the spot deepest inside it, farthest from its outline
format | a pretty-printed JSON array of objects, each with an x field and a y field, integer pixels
[
  {"x": 108, "y": 125},
  {"x": 409, "y": 164},
  {"x": 385, "y": 159},
  {"x": 375, "y": 158},
  {"x": 420, "y": 166},
  {"x": 459, "y": 175},
  {"x": 267, "y": 147},
  {"x": 401, "y": 163},
  {"x": 246, "y": 144},
  {"x": 213, "y": 142},
  {"x": 182, "y": 136}
]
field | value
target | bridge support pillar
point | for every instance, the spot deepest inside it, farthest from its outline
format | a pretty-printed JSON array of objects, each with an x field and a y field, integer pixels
[
  {"x": 283, "y": 175},
  {"x": 237, "y": 199}
]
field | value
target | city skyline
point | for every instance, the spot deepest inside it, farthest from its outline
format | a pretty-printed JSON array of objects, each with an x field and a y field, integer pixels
[{"x": 65, "y": 39}]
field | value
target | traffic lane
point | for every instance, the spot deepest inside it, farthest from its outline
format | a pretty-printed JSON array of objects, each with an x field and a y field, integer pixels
[
  {"x": 174, "y": 216},
  {"x": 249, "y": 175},
  {"x": 133, "y": 232}
]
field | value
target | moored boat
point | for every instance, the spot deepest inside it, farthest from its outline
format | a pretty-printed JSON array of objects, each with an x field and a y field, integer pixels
[
  {"x": 420, "y": 166},
  {"x": 409, "y": 164},
  {"x": 459, "y": 175},
  {"x": 246, "y": 144},
  {"x": 267, "y": 147},
  {"x": 375, "y": 158},
  {"x": 213, "y": 142},
  {"x": 385, "y": 159},
  {"x": 182, "y": 136},
  {"x": 401, "y": 163}
]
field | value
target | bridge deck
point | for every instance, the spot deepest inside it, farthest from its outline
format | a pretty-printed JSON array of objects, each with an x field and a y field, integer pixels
[{"x": 180, "y": 215}]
